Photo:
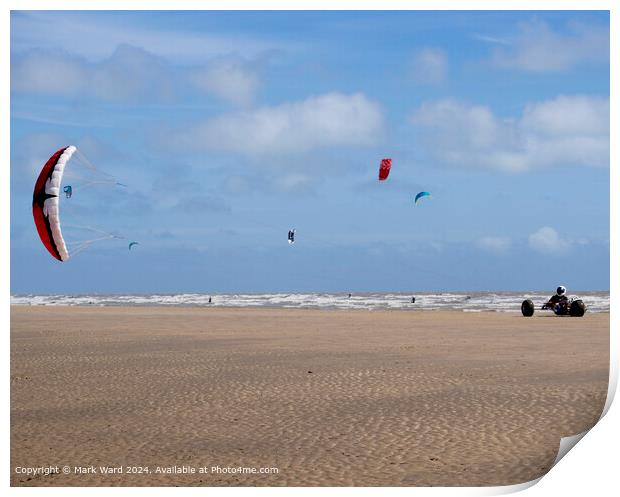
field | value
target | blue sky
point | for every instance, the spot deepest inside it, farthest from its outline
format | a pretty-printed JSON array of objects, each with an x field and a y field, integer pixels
[{"x": 229, "y": 128}]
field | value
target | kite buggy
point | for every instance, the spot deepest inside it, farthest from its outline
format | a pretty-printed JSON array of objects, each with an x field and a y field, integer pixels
[{"x": 560, "y": 304}]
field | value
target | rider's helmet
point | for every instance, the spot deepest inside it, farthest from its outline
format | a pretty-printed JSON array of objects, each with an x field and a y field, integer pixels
[{"x": 561, "y": 290}]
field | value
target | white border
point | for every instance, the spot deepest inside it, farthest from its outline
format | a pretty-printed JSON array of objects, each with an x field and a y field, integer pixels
[{"x": 589, "y": 469}]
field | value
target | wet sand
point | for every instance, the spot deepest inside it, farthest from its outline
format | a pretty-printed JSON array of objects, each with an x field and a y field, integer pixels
[{"x": 327, "y": 397}]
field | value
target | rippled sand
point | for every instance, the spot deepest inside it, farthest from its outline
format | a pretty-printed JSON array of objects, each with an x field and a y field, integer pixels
[{"x": 327, "y": 397}]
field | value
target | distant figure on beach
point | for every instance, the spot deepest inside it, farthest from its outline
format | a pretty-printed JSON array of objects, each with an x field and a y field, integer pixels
[
  {"x": 349, "y": 295},
  {"x": 413, "y": 300},
  {"x": 209, "y": 300}
]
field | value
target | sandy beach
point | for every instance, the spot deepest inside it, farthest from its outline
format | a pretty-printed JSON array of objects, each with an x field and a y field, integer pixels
[{"x": 334, "y": 398}]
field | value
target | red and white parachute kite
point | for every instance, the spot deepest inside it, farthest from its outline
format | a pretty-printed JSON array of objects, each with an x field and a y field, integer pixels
[
  {"x": 55, "y": 183},
  {"x": 45, "y": 200}
]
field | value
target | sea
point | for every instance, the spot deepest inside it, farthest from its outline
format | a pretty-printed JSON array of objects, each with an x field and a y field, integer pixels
[{"x": 424, "y": 301}]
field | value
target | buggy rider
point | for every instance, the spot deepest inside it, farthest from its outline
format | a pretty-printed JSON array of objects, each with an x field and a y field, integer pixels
[{"x": 557, "y": 301}]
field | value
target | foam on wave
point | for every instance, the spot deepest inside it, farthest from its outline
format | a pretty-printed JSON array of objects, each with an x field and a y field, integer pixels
[{"x": 468, "y": 302}]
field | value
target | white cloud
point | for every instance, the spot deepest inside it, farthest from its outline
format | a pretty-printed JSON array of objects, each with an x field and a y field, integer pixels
[
  {"x": 200, "y": 204},
  {"x": 129, "y": 75},
  {"x": 492, "y": 39},
  {"x": 238, "y": 184},
  {"x": 495, "y": 244},
  {"x": 293, "y": 182},
  {"x": 537, "y": 48},
  {"x": 132, "y": 74},
  {"x": 331, "y": 119},
  {"x": 231, "y": 79},
  {"x": 568, "y": 130},
  {"x": 49, "y": 73},
  {"x": 547, "y": 241},
  {"x": 96, "y": 35},
  {"x": 430, "y": 66},
  {"x": 577, "y": 115}
]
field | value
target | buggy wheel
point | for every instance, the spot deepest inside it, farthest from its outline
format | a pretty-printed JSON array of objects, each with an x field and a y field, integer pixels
[
  {"x": 527, "y": 308},
  {"x": 577, "y": 308}
]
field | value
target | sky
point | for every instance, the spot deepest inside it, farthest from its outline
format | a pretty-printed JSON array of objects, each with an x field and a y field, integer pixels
[{"x": 230, "y": 128}]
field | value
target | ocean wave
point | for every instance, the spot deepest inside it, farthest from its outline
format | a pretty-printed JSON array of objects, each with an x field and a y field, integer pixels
[{"x": 463, "y": 301}]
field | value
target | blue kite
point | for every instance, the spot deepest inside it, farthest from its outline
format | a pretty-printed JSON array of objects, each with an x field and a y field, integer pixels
[{"x": 420, "y": 195}]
